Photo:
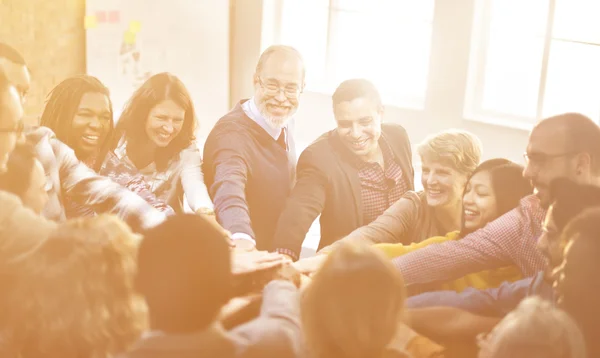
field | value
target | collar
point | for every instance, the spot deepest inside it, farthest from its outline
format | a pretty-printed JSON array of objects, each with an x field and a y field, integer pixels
[{"x": 251, "y": 110}]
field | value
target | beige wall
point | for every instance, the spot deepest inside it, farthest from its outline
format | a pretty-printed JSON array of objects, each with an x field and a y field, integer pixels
[
  {"x": 445, "y": 97},
  {"x": 50, "y": 34}
]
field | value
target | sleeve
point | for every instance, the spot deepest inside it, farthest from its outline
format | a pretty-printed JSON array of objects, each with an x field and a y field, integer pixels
[
  {"x": 192, "y": 180},
  {"x": 390, "y": 227},
  {"x": 88, "y": 188},
  {"x": 21, "y": 230},
  {"x": 495, "y": 302},
  {"x": 487, "y": 248},
  {"x": 229, "y": 187},
  {"x": 305, "y": 204},
  {"x": 276, "y": 332}
]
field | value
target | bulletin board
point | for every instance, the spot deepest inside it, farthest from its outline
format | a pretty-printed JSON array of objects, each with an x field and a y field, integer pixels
[{"x": 130, "y": 40}]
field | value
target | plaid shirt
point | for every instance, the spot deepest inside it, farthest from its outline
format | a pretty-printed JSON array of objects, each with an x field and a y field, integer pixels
[
  {"x": 67, "y": 176},
  {"x": 379, "y": 188},
  {"x": 183, "y": 175},
  {"x": 124, "y": 175},
  {"x": 509, "y": 240}
]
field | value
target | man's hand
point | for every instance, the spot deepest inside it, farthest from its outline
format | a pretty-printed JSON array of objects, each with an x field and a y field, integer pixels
[
  {"x": 247, "y": 262},
  {"x": 310, "y": 265},
  {"x": 243, "y": 245},
  {"x": 288, "y": 273}
]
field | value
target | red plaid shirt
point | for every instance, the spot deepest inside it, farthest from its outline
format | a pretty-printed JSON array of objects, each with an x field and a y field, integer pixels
[
  {"x": 509, "y": 240},
  {"x": 380, "y": 188}
]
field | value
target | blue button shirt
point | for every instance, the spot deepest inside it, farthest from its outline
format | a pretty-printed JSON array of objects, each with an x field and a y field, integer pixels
[{"x": 490, "y": 302}]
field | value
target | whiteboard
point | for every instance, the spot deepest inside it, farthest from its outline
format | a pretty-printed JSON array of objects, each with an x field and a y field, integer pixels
[{"x": 129, "y": 40}]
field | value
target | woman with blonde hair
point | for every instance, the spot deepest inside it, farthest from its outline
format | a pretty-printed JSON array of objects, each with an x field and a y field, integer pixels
[
  {"x": 74, "y": 295},
  {"x": 448, "y": 159},
  {"x": 354, "y": 308},
  {"x": 536, "y": 329}
]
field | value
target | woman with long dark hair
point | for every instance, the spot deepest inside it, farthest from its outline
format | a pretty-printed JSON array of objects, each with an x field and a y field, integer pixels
[{"x": 155, "y": 135}]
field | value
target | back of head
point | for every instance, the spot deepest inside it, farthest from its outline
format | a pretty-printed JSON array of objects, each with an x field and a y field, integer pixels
[
  {"x": 535, "y": 329},
  {"x": 74, "y": 296},
  {"x": 570, "y": 199},
  {"x": 459, "y": 149},
  {"x": 19, "y": 168},
  {"x": 63, "y": 101},
  {"x": 354, "y": 304},
  {"x": 581, "y": 135},
  {"x": 184, "y": 272},
  {"x": 352, "y": 89}
]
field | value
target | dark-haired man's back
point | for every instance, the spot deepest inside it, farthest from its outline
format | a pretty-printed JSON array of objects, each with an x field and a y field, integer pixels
[
  {"x": 275, "y": 333},
  {"x": 185, "y": 275}
]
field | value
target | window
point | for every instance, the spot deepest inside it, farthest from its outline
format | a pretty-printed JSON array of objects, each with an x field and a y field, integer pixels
[
  {"x": 385, "y": 41},
  {"x": 533, "y": 59}
]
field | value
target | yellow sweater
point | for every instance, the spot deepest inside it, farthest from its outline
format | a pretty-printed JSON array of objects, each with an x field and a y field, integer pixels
[{"x": 480, "y": 280}]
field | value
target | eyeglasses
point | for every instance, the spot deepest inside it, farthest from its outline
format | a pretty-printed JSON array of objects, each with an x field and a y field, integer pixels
[
  {"x": 273, "y": 89},
  {"x": 18, "y": 129}
]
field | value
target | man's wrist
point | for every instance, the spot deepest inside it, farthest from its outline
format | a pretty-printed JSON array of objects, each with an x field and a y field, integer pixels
[
  {"x": 243, "y": 237},
  {"x": 287, "y": 252}
]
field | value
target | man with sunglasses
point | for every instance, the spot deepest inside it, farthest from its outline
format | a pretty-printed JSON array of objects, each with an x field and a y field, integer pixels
[{"x": 249, "y": 155}]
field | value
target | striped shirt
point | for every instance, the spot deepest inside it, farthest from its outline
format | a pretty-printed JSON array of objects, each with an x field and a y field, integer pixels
[{"x": 68, "y": 177}]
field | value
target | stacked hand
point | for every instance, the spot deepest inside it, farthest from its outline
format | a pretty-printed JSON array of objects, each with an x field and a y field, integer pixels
[
  {"x": 245, "y": 262},
  {"x": 309, "y": 265}
]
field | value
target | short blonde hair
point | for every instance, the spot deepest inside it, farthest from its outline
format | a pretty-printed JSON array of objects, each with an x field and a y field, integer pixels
[
  {"x": 74, "y": 296},
  {"x": 458, "y": 148},
  {"x": 353, "y": 306},
  {"x": 536, "y": 329}
]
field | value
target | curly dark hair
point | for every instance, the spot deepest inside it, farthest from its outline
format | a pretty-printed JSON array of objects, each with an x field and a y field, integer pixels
[{"x": 74, "y": 295}]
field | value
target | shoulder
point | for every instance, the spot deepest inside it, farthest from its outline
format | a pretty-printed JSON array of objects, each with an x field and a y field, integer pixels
[
  {"x": 232, "y": 121},
  {"x": 9, "y": 201},
  {"x": 49, "y": 148},
  {"x": 417, "y": 197},
  {"x": 228, "y": 132},
  {"x": 41, "y": 136},
  {"x": 394, "y": 130},
  {"x": 321, "y": 151},
  {"x": 395, "y": 136}
]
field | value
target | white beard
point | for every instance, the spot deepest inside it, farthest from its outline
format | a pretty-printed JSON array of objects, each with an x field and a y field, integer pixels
[{"x": 276, "y": 122}]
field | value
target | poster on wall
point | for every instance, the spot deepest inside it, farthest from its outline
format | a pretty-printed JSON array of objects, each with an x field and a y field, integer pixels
[{"x": 130, "y": 40}]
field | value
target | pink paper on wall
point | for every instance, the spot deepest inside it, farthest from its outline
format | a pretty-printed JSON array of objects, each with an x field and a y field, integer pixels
[{"x": 114, "y": 17}]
